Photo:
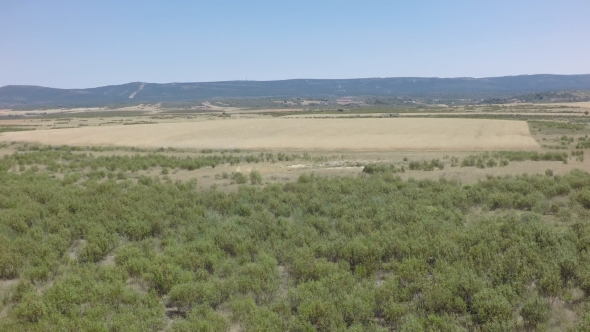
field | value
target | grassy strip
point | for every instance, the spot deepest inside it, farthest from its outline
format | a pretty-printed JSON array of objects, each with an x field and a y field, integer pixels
[
  {"x": 483, "y": 160},
  {"x": 5, "y": 129}
]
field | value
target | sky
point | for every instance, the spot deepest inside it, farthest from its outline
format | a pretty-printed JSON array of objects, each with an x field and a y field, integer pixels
[{"x": 82, "y": 44}]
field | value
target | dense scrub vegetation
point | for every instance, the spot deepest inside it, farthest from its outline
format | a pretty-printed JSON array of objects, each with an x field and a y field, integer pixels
[
  {"x": 66, "y": 159},
  {"x": 503, "y": 158},
  {"x": 371, "y": 253},
  {"x": 482, "y": 160}
]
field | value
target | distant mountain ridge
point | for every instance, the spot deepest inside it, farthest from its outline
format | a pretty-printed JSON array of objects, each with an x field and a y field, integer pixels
[{"x": 138, "y": 92}]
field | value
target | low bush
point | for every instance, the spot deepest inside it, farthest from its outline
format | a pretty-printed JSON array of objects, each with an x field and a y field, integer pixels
[
  {"x": 584, "y": 198},
  {"x": 255, "y": 177},
  {"x": 239, "y": 177},
  {"x": 375, "y": 168},
  {"x": 535, "y": 311},
  {"x": 426, "y": 165}
]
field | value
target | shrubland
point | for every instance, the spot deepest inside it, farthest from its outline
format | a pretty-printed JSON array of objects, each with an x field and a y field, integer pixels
[
  {"x": 365, "y": 253},
  {"x": 481, "y": 160},
  {"x": 64, "y": 159},
  {"x": 503, "y": 158},
  {"x": 75, "y": 160}
]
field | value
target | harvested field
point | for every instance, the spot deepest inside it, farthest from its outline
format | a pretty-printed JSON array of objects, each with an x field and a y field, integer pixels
[{"x": 302, "y": 134}]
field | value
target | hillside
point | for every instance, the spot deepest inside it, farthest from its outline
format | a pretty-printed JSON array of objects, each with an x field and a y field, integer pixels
[{"x": 24, "y": 96}]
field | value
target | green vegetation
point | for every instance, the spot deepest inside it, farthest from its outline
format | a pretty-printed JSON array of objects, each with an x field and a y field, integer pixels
[
  {"x": 4, "y": 128},
  {"x": 239, "y": 178},
  {"x": 94, "y": 114},
  {"x": 426, "y": 165},
  {"x": 374, "y": 168},
  {"x": 544, "y": 97},
  {"x": 583, "y": 143},
  {"x": 366, "y": 253},
  {"x": 255, "y": 177},
  {"x": 138, "y": 122},
  {"x": 482, "y": 160},
  {"x": 65, "y": 159},
  {"x": 573, "y": 124},
  {"x": 488, "y": 159}
]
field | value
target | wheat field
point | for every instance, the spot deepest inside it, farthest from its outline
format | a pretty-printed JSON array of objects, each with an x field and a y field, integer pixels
[{"x": 363, "y": 134}]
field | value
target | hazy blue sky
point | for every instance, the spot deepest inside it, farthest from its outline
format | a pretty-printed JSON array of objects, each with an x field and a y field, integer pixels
[{"x": 76, "y": 44}]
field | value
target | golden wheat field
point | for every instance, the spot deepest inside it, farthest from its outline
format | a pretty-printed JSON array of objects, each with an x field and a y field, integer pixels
[{"x": 363, "y": 134}]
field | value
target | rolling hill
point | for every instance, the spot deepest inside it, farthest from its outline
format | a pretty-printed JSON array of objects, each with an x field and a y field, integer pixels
[{"x": 16, "y": 96}]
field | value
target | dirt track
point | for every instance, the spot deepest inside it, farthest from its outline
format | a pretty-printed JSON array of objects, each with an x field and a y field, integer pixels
[{"x": 302, "y": 134}]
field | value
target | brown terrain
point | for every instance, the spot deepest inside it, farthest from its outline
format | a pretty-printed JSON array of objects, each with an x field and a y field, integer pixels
[
  {"x": 338, "y": 144},
  {"x": 301, "y": 134}
]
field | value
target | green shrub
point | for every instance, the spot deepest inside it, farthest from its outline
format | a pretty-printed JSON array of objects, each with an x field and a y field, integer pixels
[
  {"x": 255, "y": 178},
  {"x": 374, "y": 168},
  {"x": 535, "y": 311},
  {"x": 321, "y": 314},
  {"x": 10, "y": 263},
  {"x": 490, "y": 306},
  {"x": 584, "y": 321},
  {"x": 201, "y": 318},
  {"x": 414, "y": 165},
  {"x": 393, "y": 312},
  {"x": 584, "y": 198},
  {"x": 162, "y": 276},
  {"x": 426, "y": 165},
  {"x": 305, "y": 178},
  {"x": 239, "y": 178},
  {"x": 255, "y": 318},
  {"x": 480, "y": 163},
  {"x": 187, "y": 295},
  {"x": 31, "y": 308},
  {"x": 23, "y": 288},
  {"x": 135, "y": 258},
  {"x": 468, "y": 161}
]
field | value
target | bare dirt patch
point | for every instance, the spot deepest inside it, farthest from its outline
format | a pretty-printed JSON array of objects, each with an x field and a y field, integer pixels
[{"x": 302, "y": 134}]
